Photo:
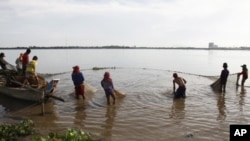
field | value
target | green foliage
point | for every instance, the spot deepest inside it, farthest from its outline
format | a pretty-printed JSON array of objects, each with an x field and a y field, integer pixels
[
  {"x": 70, "y": 135},
  {"x": 97, "y": 68},
  {"x": 9, "y": 132},
  {"x": 102, "y": 68}
]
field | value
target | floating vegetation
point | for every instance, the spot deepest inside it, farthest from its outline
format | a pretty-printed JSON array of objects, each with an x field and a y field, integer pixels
[
  {"x": 10, "y": 132},
  {"x": 101, "y": 68},
  {"x": 70, "y": 135}
]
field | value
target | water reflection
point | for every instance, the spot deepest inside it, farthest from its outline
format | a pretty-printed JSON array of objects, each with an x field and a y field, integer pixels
[
  {"x": 110, "y": 117},
  {"x": 80, "y": 114},
  {"x": 10, "y": 104},
  {"x": 221, "y": 107},
  {"x": 242, "y": 91},
  {"x": 178, "y": 109}
]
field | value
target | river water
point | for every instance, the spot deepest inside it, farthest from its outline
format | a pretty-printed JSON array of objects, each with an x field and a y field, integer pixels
[{"x": 148, "y": 112}]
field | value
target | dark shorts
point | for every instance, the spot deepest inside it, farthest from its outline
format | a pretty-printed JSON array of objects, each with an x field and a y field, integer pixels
[
  {"x": 180, "y": 92},
  {"x": 223, "y": 81}
]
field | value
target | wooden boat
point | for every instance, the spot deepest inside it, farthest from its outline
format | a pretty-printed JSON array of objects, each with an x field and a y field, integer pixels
[{"x": 16, "y": 87}]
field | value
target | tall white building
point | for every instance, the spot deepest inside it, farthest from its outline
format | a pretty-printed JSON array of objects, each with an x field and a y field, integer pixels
[{"x": 212, "y": 45}]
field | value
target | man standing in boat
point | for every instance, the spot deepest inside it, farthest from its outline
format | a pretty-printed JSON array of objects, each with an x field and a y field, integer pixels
[
  {"x": 181, "y": 91},
  {"x": 3, "y": 63},
  {"x": 31, "y": 69},
  {"x": 25, "y": 60}
]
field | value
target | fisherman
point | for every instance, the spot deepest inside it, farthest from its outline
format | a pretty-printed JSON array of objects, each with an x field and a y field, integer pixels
[
  {"x": 19, "y": 63},
  {"x": 244, "y": 74},
  {"x": 31, "y": 70},
  {"x": 223, "y": 78},
  {"x": 108, "y": 87},
  {"x": 78, "y": 80},
  {"x": 181, "y": 91},
  {"x": 3, "y": 63},
  {"x": 25, "y": 60}
]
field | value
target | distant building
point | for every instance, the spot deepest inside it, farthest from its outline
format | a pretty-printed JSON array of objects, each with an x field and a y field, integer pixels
[{"x": 212, "y": 45}]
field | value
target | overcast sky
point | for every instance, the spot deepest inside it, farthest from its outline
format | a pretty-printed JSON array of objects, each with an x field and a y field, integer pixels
[{"x": 147, "y": 23}]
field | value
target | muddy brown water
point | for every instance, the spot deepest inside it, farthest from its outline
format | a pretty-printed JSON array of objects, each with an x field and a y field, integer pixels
[{"x": 148, "y": 112}]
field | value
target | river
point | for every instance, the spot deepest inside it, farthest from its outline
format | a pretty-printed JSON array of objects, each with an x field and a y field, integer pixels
[{"x": 148, "y": 112}]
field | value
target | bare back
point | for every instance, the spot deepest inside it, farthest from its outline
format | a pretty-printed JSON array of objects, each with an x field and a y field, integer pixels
[{"x": 180, "y": 81}]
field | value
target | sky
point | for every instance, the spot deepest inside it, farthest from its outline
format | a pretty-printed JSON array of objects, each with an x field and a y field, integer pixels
[{"x": 140, "y": 23}]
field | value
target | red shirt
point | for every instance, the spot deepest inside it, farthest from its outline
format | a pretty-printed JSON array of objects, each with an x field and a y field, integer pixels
[
  {"x": 245, "y": 74},
  {"x": 25, "y": 60}
]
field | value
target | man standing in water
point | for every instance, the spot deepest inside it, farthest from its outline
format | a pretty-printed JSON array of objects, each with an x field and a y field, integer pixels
[
  {"x": 244, "y": 74},
  {"x": 108, "y": 87},
  {"x": 181, "y": 91},
  {"x": 78, "y": 80},
  {"x": 223, "y": 78}
]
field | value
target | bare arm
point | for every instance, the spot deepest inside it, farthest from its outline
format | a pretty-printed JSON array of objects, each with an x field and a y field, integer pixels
[
  {"x": 173, "y": 85},
  {"x": 184, "y": 81}
]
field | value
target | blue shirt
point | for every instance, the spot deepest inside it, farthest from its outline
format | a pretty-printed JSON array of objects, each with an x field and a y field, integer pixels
[
  {"x": 77, "y": 78},
  {"x": 107, "y": 86}
]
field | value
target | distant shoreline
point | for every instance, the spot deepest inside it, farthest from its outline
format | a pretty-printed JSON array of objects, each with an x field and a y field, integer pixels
[{"x": 125, "y": 47}]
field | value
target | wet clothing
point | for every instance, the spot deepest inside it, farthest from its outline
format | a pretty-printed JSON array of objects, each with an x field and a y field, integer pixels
[
  {"x": 180, "y": 92},
  {"x": 78, "y": 80},
  {"x": 223, "y": 79},
  {"x": 79, "y": 90},
  {"x": 244, "y": 74},
  {"x": 108, "y": 87},
  {"x": 224, "y": 75}
]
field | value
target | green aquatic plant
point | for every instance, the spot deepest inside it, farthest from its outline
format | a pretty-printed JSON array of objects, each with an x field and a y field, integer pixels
[
  {"x": 98, "y": 68},
  {"x": 70, "y": 135},
  {"x": 101, "y": 68},
  {"x": 9, "y": 132}
]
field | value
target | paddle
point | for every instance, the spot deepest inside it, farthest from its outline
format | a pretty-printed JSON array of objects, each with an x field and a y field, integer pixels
[{"x": 55, "y": 97}]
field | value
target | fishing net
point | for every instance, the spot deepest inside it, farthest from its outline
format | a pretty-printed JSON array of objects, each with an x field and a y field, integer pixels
[{"x": 231, "y": 80}]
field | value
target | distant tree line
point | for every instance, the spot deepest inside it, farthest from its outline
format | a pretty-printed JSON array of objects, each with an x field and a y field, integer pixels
[{"x": 124, "y": 47}]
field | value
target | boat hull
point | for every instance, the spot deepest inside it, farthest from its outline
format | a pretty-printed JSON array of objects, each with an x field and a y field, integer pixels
[
  {"x": 21, "y": 93},
  {"x": 29, "y": 94}
]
